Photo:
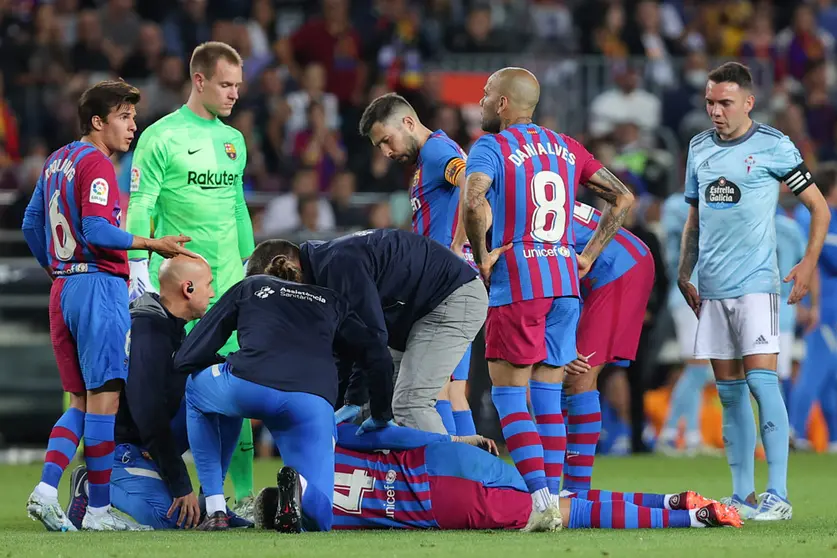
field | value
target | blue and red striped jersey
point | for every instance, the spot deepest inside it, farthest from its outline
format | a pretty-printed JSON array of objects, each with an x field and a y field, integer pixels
[
  {"x": 534, "y": 173},
  {"x": 382, "y": 490},
  {"x": 78, "y": 181},
  {"x": 620, "y": 255},
  {"x": 434, "y": 195}
]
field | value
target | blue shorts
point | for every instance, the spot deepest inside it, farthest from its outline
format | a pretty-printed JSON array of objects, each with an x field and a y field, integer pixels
[
  {"x": 463, "y": 369},
  {"x": 90, "y": 330},
  {"x": 136, "y": 488}
]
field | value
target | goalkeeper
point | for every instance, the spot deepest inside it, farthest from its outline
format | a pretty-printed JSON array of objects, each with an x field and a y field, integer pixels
[{"x": 187, "y": 176}]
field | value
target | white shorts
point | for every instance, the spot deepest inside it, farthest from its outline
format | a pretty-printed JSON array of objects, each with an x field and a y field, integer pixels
[
  {"x": 784, "y": 365},
  {"x": 685, "y": 327},
  {"x": 732, "y": 328}
]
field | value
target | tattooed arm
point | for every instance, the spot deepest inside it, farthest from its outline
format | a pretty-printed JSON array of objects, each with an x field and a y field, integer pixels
[
  {"x": 688, "y": 259},
  {"x": 619, "y": 200},
  {"x": 688, "y": 247},
  {"x": 477, "y": 214}
]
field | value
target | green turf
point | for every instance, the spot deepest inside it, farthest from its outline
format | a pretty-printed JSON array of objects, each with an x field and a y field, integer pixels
[{"x": 813, "y": 531}]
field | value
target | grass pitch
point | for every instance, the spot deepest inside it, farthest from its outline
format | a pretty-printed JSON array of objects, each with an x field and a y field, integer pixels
[{"x": 812, "y": 532}]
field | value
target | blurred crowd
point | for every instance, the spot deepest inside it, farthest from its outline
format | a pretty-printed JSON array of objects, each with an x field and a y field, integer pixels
[
  {"x": 625, "y": 77},
  {"x": 311, "y": 67}
]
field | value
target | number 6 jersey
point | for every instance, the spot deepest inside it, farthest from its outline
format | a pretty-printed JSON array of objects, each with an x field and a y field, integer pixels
[
  {"x": 77, "y": 182},
  {"x": 534, "y": 174}
]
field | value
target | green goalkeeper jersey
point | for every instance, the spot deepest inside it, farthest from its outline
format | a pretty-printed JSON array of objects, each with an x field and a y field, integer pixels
[{"x": 186, "y": 178}]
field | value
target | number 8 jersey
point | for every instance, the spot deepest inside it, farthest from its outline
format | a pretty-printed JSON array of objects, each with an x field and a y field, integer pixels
[
  {"x": 534, "y": 173},
  {"x": 78, "y": 182}
]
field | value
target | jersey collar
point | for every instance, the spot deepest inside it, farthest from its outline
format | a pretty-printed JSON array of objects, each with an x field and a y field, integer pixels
[
  {"x": 187, "y": 113},
  {"x": 754, "y": 126}
]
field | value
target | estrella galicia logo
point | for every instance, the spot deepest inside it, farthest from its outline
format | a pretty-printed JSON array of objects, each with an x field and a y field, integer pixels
[{"x": 722, "y": 194}]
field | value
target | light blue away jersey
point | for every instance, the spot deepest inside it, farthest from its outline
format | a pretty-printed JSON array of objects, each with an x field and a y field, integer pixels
[
  {"x": 735, "y": 185},
  {"x": 790, "y": 247},
  {"x": 673, "y": 221}
]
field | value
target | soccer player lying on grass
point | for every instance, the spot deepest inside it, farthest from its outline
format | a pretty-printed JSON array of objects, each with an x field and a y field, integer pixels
[{"x": 432, "y": 481}]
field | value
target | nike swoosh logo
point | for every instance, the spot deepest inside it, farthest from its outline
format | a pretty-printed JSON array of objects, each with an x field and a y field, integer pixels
[
  {"x": 193, "y": 151},
  {"x": 212, "y": 187}
]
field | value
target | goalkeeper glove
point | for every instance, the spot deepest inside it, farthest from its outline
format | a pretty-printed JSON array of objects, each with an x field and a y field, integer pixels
[
  {"x": 346, "y": 413},
  {"x": 140, "y": 280}
]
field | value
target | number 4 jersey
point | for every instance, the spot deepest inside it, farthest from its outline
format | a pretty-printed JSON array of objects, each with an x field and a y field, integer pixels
[
  {"x": 77, "y": 182},
  {"x": 534, "y": 174},
  {"x": 440, "y": 485}
]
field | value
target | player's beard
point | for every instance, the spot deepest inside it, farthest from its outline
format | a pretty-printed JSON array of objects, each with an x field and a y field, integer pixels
[
  {"x": 412, "y": 150},
  {"x": 490, "y": 122}
]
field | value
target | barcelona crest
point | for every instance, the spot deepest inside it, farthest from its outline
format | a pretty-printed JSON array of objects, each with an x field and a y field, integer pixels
[{"x": 229, "y": 149}]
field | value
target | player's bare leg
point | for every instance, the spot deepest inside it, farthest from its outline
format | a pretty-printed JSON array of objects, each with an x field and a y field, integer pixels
[
  {"x": 524, "y": 444},
  {"x": 42, "y": 504},
  {"x": 584, "y": 425}
]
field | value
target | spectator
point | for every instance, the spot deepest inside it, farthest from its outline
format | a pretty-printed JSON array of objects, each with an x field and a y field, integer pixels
[
  {"x": 121, "y": 29},
  {"x": 66, "y": 14},
  {"x": 164, "y": 92},
  {"x": 552, "y": 21},
  {"x": 309, "y": 216},
  {"x": 449, "y": 119},
  {"x": 645, "y": 39},
  {"x": 332, "y": 41},
  {"x": 262, "y": 28},
  {"x": 758, "y": 44},
  {"x": 8, "y": 128},
  {"x": 186, "y": 28},
  {"x": 791, "y": 121},
  {"x": 313, "y": 89},
  {"x": 684, "y": 105},
  {"x": 318, "y": 147},
  {"x": 608, "y": 38},
  {"x": 820, "y": 115},
  {"x": 625, "y": 103},
  {"x": 273, "y": 113},
  {"x": 346, "y": 215},
  {"x": 401, "y": 46},
  {"x": 380, "y": 216},
  {"x": 478, "y": 35},
  {"x": 147, "y": 58},
  {"x": 282, "y": 215},
  {"x": 89, "y": 54},
  {"x": 381, "y": 174},
  {"x": 827, "y": 16},
  {"x": 803, "y": 43}
]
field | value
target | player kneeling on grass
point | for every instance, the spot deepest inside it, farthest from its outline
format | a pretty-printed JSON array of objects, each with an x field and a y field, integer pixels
[
  {"x": 432, "y": 481},
  {"x": 284, "y": 374},
  {"x": 150, "y": 481}
]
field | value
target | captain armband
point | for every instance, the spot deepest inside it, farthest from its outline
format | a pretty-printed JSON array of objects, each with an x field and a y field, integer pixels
[{"x": 798, "y": 179}]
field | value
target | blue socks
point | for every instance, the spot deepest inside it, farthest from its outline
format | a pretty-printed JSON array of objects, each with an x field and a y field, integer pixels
[
  {"x": 522, "y": 439},
  {"x": 63, "y": 443},
  {"x": 546, "y": 403},
  {"x": 773, "y": 424},
  {"x": 98, "y": 454},
  {"x": 584, "y": 426},
  {"x": 739, "y": 431},
  {"x": 444, "y": 409},
  {"x": 464, "y": 421}
]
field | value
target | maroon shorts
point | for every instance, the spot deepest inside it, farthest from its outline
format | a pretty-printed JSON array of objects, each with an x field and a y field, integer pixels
[
  {"x": 612, "y": 316},
  {"x": 533, "y": 331},
  {"x": 464, "y": 504}
]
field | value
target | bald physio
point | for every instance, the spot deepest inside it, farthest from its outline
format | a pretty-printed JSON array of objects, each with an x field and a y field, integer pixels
[{"x": 185, "y": 286}]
